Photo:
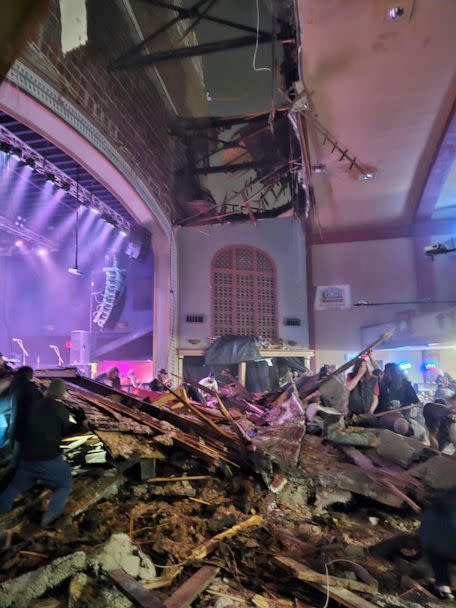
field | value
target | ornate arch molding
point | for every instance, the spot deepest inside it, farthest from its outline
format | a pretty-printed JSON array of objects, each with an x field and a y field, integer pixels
[{"x": 35, "y": 87}]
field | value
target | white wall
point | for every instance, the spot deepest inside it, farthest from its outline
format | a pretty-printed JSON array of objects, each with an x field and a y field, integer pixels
[
  {"x": 377, "y": 271},
  {"x": 282, "y": 239}
]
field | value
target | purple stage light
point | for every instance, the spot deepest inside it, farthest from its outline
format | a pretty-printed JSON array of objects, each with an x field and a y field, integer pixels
[
  {"x": 94, "y": 210},
  {"x": 19, "y": 243},
  {"x": 42, "y": 251},
  {"x": 395, "y": 12},
  {"x": 47, "y": 205}
]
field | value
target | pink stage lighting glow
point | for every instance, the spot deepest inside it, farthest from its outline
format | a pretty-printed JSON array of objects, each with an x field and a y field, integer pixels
[
  {"x": 19, "y": 243},
  {"x": 41, "y": 251}
]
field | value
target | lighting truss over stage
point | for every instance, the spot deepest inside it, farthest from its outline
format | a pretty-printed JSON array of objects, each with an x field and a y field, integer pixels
[
  {"x": 24, "y": 237},
  {"x": 11, "y": 144}
]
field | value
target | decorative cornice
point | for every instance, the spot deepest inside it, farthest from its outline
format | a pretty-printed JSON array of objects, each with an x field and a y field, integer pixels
[{"x": 30, "y": 82}]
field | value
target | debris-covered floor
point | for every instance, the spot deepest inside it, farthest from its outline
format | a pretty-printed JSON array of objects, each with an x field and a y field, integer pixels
[{"x": 247, "y": 502}]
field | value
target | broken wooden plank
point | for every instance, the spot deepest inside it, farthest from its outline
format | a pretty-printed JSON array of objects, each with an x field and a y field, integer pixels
[
  {"x": 310, "y": 576},
  {"x": 203, "y": 550},
  {"x": 192, "y": 588},
  {"x": 375, "y": 474},
  {"x": 134, "y": 590},
  {"x": 186, "y": 401},
  {"x": 347, "y": 598},
  {"x": 122, "y": 445},
  {"x": 234, "y": 425}
]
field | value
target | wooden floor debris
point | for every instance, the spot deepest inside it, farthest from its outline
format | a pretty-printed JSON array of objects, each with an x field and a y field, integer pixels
[
  {"x": 134, "y": 590},
  {"x": 244, "y": 502}
]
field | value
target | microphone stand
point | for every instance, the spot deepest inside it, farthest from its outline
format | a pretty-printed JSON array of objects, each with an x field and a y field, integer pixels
[
  {"x": 60, "y": 362},
  {"x": 23, "y": 350}
]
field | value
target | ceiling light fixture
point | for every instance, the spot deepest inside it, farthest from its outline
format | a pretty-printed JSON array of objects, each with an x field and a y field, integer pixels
[
  {"x": 366, "y": 177},
  {"x": 50, "y": 178},
  {"x": 395, "y": 12},
  {"x": 30, "y": 163}
]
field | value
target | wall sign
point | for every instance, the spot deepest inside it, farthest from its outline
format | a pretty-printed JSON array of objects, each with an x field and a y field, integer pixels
[{"x": 333, "y": 297}]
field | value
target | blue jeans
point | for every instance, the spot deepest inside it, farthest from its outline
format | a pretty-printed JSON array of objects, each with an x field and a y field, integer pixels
[{"x": 55, "y": 474}]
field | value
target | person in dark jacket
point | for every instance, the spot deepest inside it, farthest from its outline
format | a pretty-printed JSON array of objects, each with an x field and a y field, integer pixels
[
  {"x": 363, "y": 387},
  {"x": 41, "y": 460},
  {"x": 438, "y": 538},
  {"x": 159, "y": 383},
  {"x": 395, "y": 392},
  {"x": 25, "y": 393}
]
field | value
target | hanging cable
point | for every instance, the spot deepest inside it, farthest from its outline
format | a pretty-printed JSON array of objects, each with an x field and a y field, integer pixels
[{"x": 257, "y": 41}]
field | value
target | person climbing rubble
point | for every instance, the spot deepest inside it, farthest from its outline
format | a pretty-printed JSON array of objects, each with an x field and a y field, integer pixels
[{"x": 41, "y": 460}]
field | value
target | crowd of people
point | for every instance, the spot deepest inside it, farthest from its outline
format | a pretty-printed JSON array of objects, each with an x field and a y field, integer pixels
[
  {"x": 159, "y": 384},
  {"x": 387, "y": 399}
]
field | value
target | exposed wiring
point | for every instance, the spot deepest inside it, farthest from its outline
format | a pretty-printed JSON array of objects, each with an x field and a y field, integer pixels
[
  {"x": 347, "y": 561},
  {"x": 257, "y": 41}
]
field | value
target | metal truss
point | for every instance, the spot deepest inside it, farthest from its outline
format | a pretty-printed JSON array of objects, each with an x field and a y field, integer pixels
[
  {"x": 61, "y": 179},
  {"x": 26, "y": 235},
  {"x": 195, "y": 14}
]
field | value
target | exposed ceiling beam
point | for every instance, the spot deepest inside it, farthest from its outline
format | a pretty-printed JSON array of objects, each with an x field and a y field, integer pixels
[
  {"x": 439, "y": 170},
  {"x": 232, "y": 168},
  {"x": 214, "y": 122},
  {"x": 379, "y": 233},
  {"x": 140, "y": 61}
]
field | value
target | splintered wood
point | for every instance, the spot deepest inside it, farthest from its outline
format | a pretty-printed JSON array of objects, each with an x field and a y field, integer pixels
[{"x": 230, "y": 504}]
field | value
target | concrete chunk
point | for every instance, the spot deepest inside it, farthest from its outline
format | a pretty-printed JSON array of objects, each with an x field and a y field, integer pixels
[
  {"x": 119, "y": 553},
  {"x": 439, "y": 472},
  {"x": 362, "y": 438},
  {"x": 20, "y": 591},
  {"x": 399, "y": 449}
]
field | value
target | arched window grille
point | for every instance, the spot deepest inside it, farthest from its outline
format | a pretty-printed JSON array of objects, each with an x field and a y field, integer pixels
[{"x": 244, "y": 298}]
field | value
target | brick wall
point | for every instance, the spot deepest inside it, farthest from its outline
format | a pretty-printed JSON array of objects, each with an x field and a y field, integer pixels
[{"x": 125, "y": 106}]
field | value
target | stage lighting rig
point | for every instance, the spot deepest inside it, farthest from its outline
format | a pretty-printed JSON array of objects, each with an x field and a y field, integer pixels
[{"x": 11, "y": 144}]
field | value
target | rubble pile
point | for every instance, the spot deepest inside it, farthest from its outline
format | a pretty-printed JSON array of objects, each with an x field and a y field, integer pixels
[{"x": 267, "y": 502}]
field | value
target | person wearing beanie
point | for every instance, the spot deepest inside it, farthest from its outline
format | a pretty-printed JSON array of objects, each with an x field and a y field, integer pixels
[{"x": 41, "y": 460}]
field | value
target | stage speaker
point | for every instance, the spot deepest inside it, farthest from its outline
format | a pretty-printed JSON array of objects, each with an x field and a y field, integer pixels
[
  {"x": 139, "y": 243},
  {"x": 80, "y": 347}
]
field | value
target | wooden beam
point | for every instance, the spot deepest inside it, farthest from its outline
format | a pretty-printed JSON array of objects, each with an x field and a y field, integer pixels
[
  {"x": 134, "y": 590},
  {"x": 342, "y": 595},
  {"x": 192, "y": 588},
  {"x": 310, "y": 576},
  {"x": 386, "y": 231}
]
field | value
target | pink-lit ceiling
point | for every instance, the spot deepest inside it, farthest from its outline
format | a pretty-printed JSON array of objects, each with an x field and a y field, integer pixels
[{"x": 385, "y": 90}]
